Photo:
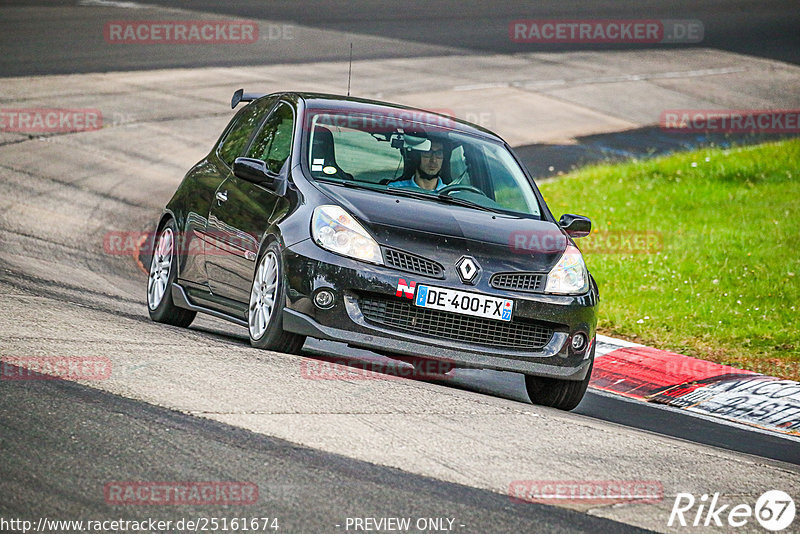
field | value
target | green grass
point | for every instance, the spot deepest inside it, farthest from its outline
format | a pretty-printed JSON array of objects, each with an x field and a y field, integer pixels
[{"x": 725, "y": 284}]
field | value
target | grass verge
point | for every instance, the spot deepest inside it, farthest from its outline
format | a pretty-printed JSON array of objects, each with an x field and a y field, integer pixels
[{"x": 697, "y": 252}]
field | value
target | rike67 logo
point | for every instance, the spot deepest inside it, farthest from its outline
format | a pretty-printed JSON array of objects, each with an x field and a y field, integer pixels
[{"x": 774, "y": 510}]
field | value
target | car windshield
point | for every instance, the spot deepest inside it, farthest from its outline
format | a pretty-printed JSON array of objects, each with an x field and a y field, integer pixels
[{"x": 425, "y": 159}]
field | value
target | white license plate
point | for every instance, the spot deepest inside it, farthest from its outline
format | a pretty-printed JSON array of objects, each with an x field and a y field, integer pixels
[{"x": 453, "y": 300}]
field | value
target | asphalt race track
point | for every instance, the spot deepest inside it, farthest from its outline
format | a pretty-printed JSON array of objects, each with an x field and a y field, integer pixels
[
  {"x": 199, "y": 404},
  {"x": 96, "y": 437},
  {"x": 760, "y": 28}
]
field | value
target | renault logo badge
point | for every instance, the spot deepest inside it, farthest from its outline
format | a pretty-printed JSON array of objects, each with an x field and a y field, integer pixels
[{"x": 468, "y": 269}]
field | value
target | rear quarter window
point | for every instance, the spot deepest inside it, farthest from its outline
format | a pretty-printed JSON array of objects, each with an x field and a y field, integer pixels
[{"x": 237, "y": 136}]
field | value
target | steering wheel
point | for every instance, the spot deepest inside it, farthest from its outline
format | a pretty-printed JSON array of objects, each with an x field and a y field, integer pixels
[{"x": 460, "y": 187}]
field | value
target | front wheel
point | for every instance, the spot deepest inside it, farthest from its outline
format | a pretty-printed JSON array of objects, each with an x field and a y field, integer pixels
[
  {"x": 556, "y": 393},
  {"x": 265, "y": 311}
]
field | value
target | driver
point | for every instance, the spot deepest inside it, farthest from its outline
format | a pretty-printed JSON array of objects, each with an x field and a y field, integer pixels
[{"x": 426, "y": 176}]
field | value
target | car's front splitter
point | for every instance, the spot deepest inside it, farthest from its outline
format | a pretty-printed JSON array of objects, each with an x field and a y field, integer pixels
[{"x": 310, "y": 269}]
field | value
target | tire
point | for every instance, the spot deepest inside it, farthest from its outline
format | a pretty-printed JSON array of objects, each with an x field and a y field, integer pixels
[
  {"x": 163, "y": 270},
  {"x": 556, "y": 393},
  {"x": 265, "y": 309}
]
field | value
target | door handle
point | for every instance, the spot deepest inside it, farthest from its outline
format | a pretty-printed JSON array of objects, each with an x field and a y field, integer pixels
[{"x": 222, "y": 196}]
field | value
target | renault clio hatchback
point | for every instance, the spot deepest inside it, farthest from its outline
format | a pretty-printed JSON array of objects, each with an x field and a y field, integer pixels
[{"x": 388, "y": 228}]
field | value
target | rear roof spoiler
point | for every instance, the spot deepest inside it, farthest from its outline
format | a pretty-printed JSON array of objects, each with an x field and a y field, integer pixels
[{"x": 241, "y": 96}]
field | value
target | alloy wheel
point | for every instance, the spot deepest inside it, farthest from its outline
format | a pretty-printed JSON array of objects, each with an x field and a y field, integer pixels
[
  {"x": 263, "y": 295},
  {"x": 160, "y": 267}
]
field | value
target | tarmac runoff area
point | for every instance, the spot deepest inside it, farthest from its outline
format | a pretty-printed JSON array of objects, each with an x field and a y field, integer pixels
[{"x": 63, "y": 193}]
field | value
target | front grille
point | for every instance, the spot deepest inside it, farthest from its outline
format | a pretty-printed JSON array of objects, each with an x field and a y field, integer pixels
[
  {"x": 404, "y": 261},
  {"x": 400, "y": 315},
  {"x": 526, "y": 282}
]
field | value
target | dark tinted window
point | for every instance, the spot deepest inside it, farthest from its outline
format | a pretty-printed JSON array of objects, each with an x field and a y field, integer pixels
[
  {"x": 237, "y": 137},
  {"x": 274, "y": 142}
]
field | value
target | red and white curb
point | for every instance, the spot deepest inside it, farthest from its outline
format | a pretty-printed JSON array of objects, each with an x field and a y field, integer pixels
[{"x": 698, "y": 386}]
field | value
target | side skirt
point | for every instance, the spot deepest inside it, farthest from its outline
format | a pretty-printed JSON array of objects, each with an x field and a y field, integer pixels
[{"x": 225, "y": 311}]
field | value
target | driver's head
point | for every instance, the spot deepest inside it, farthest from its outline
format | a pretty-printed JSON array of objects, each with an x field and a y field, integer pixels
[{"x": 430, "y": 161}]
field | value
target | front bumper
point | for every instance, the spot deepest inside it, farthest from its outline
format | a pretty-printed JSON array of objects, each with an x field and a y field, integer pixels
[{"x": 310, "y": 268}]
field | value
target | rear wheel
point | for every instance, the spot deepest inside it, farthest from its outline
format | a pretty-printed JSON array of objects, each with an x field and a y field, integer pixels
[
  {"x": 265, "y": 311},
  {"x": 163, "y": 270},
  {"x": 556, "y": 393}
]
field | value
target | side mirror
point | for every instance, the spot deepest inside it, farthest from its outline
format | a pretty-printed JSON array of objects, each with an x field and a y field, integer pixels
[
  {"x": 255, "y": 171},
  {"x": 575, "y": 225},
  {"x": 252, "y": 170}
]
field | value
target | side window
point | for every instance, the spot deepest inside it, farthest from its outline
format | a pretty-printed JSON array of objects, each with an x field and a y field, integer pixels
[
  {"x": 274, "y": 142},
  {"x": 236, "y": 138}
]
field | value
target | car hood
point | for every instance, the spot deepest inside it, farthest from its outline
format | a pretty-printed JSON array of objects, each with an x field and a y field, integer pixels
[{"x": 444, "y": 232}]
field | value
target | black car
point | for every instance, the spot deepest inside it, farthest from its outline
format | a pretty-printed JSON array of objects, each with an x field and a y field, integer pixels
[{"x": 385, "y": 227}]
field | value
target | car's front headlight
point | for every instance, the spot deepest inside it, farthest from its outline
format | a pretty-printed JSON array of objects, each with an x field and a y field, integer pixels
[
  {"x": 336, "y": 230},
  {"x": 569, "y": 276}
]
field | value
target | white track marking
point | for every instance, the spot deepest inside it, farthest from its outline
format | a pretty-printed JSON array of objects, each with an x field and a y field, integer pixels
[{"x": 112, "y": 3}]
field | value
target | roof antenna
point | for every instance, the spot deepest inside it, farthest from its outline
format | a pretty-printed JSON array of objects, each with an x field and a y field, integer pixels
[{"x": 350, "y": 68}]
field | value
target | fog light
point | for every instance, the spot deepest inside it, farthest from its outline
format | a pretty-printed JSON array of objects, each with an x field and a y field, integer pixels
[
  {"x": 578, "y": 342},
  {"x": 323, "y": 299}
]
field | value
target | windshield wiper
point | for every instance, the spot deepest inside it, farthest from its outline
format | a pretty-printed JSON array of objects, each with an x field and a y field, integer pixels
[
  {"x": 467, "y": 203},
  {"x": 410, "y": 192},
  {"x": 349, "y": 183},
  {"x": 441, "y": 198}
]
